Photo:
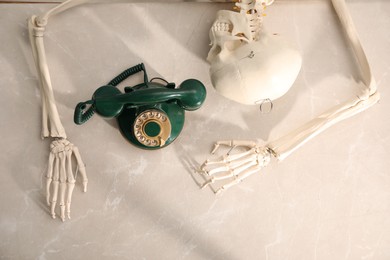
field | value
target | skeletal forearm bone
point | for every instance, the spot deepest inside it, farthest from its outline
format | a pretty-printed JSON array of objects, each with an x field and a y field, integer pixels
[
  {"x": 51, "y": 123},
  {"x": 43, "y": 19},
  {"x": 287, "y": 144}
]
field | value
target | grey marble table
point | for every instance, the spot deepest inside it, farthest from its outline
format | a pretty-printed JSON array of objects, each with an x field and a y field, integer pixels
[{"x": 328, "y": 200}]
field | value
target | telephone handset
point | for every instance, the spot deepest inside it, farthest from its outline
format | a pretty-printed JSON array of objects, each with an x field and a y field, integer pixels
[{"x": 150, "y": 115}]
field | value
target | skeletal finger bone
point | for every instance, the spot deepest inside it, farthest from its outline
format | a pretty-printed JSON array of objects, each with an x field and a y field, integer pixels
[
  {"x": 229, "y": 172},
  {"x": 81, "y": 168},
  {"x": 229, "y": 161},
  {"x": 233, "y": 144},
  {"x": 51, "y": 123},
  {"x": 55, "y": 186},
  {"x": 235, "y": 167},
  {"x": 62, "y": 184},
  {"x": 70, "y": 181},
  {"x": 49, "y": 177},
  {"x": 239, "y": 178},
  {"x": 224, "y": 167}
]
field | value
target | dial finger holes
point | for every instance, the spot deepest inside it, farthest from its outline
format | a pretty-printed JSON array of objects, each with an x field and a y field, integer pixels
[{"x": 152, "y": 128}]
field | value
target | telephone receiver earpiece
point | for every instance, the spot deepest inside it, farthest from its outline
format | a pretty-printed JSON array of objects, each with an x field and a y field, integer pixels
[{"x": 108, "y": 101}]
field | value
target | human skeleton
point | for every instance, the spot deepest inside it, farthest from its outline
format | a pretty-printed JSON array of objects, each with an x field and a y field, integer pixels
[
  {"x": 257, "y": 155},
  {"x": 233, "y": 167}
]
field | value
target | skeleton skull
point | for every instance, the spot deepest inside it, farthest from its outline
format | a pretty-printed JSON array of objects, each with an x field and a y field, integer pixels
[{"x": 249, "y": 65}]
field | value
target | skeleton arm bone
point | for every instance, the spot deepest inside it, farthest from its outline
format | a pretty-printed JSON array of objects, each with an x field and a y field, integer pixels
[
  {"x": 51, "y": 123},
  {"x": 59, "y": 175},
  {"x": 289, "y": 143},
  {"x": 43, "y": 19}
]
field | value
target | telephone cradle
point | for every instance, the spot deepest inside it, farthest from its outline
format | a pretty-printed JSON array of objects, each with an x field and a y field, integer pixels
[{"x": 150, "y": 115}]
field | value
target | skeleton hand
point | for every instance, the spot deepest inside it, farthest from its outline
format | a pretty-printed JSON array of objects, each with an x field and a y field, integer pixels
[
  {"x": 235, "y": 167},
  {"x": 60, "y": 175}
]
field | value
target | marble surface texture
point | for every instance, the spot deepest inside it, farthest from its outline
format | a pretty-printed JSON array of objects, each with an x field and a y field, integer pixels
[{"x": 328, "y": 200}]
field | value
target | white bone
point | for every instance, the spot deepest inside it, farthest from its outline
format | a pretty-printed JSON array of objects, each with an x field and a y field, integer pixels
[
  {"x": 49, "y": 176},
  {"x": 61, "y": 178},
  {"x": 51, "y": 123},
  {"x": 234, "y": 143},
  {"x": 55, "y": 186},
  {"x": 236, "y": 166},
  {"x": 70, "y": 180},
  {"x": 81, "y": 167},
  {"x": 229, "y": 161},
  {"x": 227, "y": 158},
  {"x": 62, "y": 157},
  {"x": 247, "y": 64},
  {"x": 69, "y": 198},
  {"x": 59, "y": 174},
  {"x": 239, "y": 178}
]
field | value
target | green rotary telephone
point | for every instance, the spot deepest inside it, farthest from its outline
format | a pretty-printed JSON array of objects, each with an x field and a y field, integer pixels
[{"x": 151, "y": 114}]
